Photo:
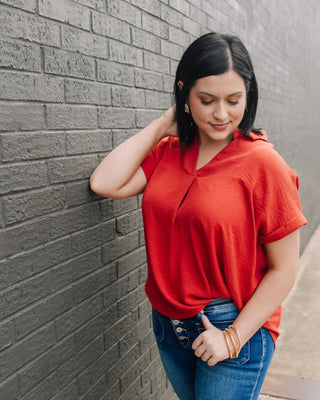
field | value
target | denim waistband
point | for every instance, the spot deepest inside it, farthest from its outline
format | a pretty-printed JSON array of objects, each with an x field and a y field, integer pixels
[{"x": 216, "y": 304}]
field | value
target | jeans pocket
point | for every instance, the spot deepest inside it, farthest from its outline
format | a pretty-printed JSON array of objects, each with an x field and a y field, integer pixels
[
  {"x": 158, "y": 327},
  {"x": 244, "y": 354}
]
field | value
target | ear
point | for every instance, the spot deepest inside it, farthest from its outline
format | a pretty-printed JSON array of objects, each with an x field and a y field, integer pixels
[{"x": 180, "y": 85}]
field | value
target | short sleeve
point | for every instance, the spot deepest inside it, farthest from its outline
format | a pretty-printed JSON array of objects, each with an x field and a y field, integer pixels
[
  {"x": 277, "y": 205},
  {"x": 152, "y": 160}
]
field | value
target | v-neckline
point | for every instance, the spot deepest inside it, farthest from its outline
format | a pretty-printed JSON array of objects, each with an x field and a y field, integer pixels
[{"x": 212, "y": 159}]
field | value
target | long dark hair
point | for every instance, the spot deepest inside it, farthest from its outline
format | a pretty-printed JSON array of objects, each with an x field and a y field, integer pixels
[{"x": 214, "y": 54}]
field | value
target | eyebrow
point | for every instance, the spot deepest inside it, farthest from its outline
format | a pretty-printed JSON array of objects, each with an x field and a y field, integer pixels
[{"x": 229, "y": 95}]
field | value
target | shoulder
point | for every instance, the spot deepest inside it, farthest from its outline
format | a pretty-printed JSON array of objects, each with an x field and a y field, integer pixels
[{"x": 261, "y": 152}]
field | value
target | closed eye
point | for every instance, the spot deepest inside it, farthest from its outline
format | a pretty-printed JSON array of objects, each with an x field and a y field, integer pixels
[{"x": 206, "y": 102}]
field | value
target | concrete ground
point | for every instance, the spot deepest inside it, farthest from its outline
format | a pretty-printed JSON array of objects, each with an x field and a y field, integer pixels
[{"x": 295, "y": 370}]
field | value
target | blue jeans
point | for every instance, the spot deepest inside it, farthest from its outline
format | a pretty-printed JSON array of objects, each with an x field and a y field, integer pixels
[{"x": 192, "y": 379}]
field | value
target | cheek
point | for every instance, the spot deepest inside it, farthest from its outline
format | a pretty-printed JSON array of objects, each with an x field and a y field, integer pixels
[{"x": 199, "y": 111}]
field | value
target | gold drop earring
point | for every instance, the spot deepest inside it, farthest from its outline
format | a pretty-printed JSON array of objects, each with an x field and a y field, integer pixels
[{"x": 186, "y": 109}]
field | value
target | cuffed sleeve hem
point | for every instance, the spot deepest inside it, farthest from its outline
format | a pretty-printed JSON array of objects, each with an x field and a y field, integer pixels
[{"x": 297, "y": 222}]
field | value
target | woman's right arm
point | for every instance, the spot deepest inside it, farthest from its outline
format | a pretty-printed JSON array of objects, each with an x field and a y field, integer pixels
[{"x": 119, "y": 174}]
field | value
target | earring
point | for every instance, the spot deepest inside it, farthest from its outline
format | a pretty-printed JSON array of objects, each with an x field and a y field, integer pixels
[{"x": 186, "y": 109}]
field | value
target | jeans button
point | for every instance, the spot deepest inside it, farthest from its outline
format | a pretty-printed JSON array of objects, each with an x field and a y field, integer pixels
[
  {"x": 176, "y": 321},
  {"x": 179, "y": 330}
]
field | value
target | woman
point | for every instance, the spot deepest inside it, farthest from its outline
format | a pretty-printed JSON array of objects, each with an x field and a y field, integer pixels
[{"x": 221, "y": 215}]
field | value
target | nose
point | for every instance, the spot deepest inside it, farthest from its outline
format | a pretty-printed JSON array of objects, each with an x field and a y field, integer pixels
[{"x": 220, "y": 112}]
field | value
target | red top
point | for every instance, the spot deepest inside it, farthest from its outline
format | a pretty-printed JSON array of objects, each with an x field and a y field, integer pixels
[{"x": 205, "y": 228}]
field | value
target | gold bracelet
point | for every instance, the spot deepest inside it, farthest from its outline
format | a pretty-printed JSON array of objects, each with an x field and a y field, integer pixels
[
  {"x": 226, "y": 337},
  {"x": 238, "y": 335},
  {"x": 233, "y": 342}
]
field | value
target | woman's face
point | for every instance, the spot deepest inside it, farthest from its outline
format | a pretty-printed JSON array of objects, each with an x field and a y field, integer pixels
[{"x": 217, "y": 104}]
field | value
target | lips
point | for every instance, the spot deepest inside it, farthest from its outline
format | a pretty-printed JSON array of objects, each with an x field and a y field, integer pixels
[{"x": 220, "y": 127}]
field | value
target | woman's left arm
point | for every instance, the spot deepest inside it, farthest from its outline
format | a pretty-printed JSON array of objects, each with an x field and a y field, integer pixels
[{"x": 283, "y": 256}]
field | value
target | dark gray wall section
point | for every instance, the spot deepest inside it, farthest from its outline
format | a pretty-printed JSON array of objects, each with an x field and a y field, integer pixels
[{"x": 76, "y": 79}]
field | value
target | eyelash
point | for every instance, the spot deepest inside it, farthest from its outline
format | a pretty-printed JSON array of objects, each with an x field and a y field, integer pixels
[{"x": 233, "y": 103}]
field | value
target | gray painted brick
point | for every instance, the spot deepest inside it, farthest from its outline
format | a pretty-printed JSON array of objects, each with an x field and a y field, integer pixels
[
  {"x": 155, "y": 26},
  {"x": 122, "y": 206},
  {"x": 116, "y": 118},
  {"x": 79, "y": 362},
  {"x": 43, "y": 312},
  {"x": 127, "y": 97},
  {"x": 120, "y": 288},
  {"x": 157, "y": 63},
  {"x": 124, "y": 11},
  {"x": 152, "y": 7},
  {"x": 120, "y": 246},
  {"x": 78, "y": 315},
  {"x": 96, "y": 326},
  {"x": 34, "y": 204},
  {"x": 28, "y": 292},
  {"x": 9, "y": 389},
  {"x": 78, "y": 193},
  {"x": 16, "y": 55},
  {"x": 18, "y": 355},
  {"x": 145, "y": 40},
  {"x": 71, "y": 117},
  {"x": 119, "y": 136},
  {"x": 6, "y": 334},
  {"x": 172, "y": 16},
  {"x": 115, "y": 73},
  {"x": 134, "y": 372},
  {"x": 21, "y": 117},
  {"x": 106, "y": 209},
  {"x": 110, "y": 27},
  {"x": 92, "y": 237},
  {"x": 87, "y": 92},
  {"x": 97, "y": 390},
  {"x": 66, "y": 11},
  {"x": 61, "y": 276},
  {"x": 21, "y": 238},
  {"x": 60, "y": 62},
  {"x": 129, "y": 222},
  {"x": 48, "y": 387},
  {"x": 28, "y": 5},
  {"x": 30, "y": 262},
  {"x": 18, "y": 24},
  {"x": 125, "y": 54},
  {"x": 148, "y": 80},
  {"x": 37, "y": 370},
  {"x": 70, "y": 168},
  {"x": 84, "y": 42},
  {"x": 93, "y": 283},
  {"x": 146, "y": 117},
  {"x": 88, "y": 142},
  {"x": 171, "y": 50},
  {"x": 28, "y": 146},
  {"x": 122, "y": 365},
  {"x": 99, "y": 366},
  {"x": 96, "y": 4},
  {"x": 130, "y": 261},
  {"x": 17, "y": 86},
  {"x": 181, "y": 6},
  {"x": 73, "y": 220},
  {"x": 4, "y": 275},
  {"x": 69, "y": 392},
  {"x": 115, "y": 330},
  {"x": 158, "y": 99}
]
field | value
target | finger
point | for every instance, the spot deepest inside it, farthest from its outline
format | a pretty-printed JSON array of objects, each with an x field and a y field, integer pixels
[
  {"x": 197, "y": 342},
  {"x": 199, "y": 351},
  {"x": 206, "y": 323}
]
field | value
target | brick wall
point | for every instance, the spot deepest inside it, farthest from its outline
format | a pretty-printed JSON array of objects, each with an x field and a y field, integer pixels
[{"x": 76, "y": 79}]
